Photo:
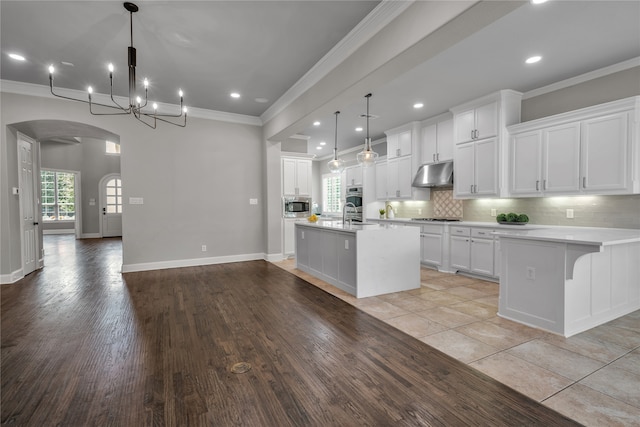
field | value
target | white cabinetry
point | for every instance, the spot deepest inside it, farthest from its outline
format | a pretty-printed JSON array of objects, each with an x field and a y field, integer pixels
[
  {"x": 473, "y": 250},
  {"x": 296, "y": 177},
  {"x": 589, "y": 151},
  {"x": 436, "y": 141},
  {"x": 431, "y": 244},
  {"x": 381, "y": 180},
  {"x": 353, "y": 175},
  {"x": 480, "y": 157},
  {"x": 399, "y": 177},
  {"x": 399, "y": 143},
  {"x": 476, "y": 169}
]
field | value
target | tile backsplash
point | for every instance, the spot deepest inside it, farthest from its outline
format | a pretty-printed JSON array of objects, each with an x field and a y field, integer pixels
[{"x": 588, "y": 211}]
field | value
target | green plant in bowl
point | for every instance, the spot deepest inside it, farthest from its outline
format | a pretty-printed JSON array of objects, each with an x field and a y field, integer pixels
[
  {"x": 501, "y": 218},
  {"x": 522, "y": 218}
]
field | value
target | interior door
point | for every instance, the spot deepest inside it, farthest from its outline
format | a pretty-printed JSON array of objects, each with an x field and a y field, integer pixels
[
  {"x": 111, "y": 205},
  {"x": 30, "y": 221}
]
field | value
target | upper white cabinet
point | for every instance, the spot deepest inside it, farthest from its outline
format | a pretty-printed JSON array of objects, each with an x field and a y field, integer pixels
[
  {"x": 353, "y": 175},
  {"x": 399, "y": 143},
  {"x": 476, "y": 122},
  {"x": 480, "y": 152},
  {"x": 381, "y": 180},
  {"x": 296, "y": 177},
  {"x": 399, "y": 177},
  {"x": 436, "y": 142},
  {"x": 589, "y": 151}
]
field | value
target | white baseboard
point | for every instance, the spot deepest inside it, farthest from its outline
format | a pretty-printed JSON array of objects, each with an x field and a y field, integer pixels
[
  {"x": 6, "y": 279},
  {"x": 59, "y": 231},
  {"x": 91, "y": 236},
  {"x": 274, "y": 257},
  {"x": 147, "y": 266}
]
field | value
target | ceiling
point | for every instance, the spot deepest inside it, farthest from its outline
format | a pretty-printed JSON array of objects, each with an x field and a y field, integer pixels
[{"x": 261, "y": 48}]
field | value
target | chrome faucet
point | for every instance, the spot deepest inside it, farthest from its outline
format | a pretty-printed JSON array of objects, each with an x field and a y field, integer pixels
[{"x": 344, "y": 212}]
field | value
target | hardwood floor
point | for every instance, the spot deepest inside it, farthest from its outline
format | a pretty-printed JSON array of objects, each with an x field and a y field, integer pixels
[{"x": 84, "y": 345}]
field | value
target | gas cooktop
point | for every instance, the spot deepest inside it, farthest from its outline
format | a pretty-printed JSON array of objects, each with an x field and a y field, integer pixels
[{"x": 436, "y": 219}]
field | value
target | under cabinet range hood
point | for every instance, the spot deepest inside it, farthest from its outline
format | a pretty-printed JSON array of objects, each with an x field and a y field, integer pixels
[{"x": 434, "y": 175}]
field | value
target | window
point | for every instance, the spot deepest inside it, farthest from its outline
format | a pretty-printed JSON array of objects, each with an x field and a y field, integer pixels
[
  {"x": 331, "y": 202},
  {"x": 113, "y": 189},
  {"x": 112, "y": 147},
  {"x": 58, "y": 199}
]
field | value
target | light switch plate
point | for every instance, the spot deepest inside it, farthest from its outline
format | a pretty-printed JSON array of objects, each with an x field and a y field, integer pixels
[
  {"x": 493, "y": 212},
  {"x": 253, "y": 201},
  {"x": 570, "y": 213},
  {"x": 136, "y": 201}
]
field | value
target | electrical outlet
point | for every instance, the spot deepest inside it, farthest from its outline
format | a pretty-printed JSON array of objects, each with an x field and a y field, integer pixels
[
  {"x": 204, "y": 248},
  {"x": 531, "y": 273},
  {"x": 419, "y": 211},
  {"x": 494, "y": 212},
  {"x": 570, "y": 213}
]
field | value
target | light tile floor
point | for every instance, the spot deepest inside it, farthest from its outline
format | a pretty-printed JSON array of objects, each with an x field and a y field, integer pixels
[{"x": 592, "y": 377}]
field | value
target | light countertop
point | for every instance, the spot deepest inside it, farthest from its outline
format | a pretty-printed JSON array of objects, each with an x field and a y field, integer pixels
[{"x": 345, "y": 227}]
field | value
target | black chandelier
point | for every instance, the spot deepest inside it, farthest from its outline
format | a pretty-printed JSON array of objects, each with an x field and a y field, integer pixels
[{"x": 136, "y": 105}]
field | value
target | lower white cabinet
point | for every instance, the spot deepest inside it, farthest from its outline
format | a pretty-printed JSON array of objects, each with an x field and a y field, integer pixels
[
  {"x": 288, "y": 236},
  {"x": 431, "y": 245},
  {"x": 473, "y": 250}
]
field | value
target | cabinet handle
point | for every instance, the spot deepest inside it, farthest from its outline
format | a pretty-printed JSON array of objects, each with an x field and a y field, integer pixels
[
  {"x": 397, "y": 152},
  {"x": 471, "y": 189},
  {"x": 537, "y": 185},
  {"x": 434, "y": 157},
  {"x": 397, "y": 193},
  {"x": 584, "y": 182},
  {"x": 544, "y": 184},
  {"x": 472, "y": 133},
  {"x": 438, "y": 156}
]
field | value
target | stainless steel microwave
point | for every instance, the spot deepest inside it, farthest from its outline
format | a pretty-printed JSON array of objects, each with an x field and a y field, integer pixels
[{"x": 296, "y": 207}]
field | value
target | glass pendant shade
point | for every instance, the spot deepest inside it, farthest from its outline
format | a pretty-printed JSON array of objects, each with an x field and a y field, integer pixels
[
  {"x": 336, "y": 165},
  {"x": 367, "y": 157}
]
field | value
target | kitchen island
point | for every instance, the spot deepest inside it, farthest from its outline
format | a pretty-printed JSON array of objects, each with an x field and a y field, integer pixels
[
  {"x": 569, "y": 279},
  {"x": 361, "y": 259}
]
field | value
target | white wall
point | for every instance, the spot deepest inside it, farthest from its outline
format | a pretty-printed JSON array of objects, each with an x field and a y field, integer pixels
[{"x": 196, "y": 183}]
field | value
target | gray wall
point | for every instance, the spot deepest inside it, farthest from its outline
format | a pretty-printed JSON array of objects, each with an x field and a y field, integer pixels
[
  {"x": 89, "y": 158},
  {"x": 196, "y": 183}
]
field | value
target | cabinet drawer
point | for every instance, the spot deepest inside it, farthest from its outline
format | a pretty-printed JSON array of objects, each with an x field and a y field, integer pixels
[
  {"x": 482, "y": 233},
  {"x": 460, "y": 231},
  {"x": 432, "y": 229}
]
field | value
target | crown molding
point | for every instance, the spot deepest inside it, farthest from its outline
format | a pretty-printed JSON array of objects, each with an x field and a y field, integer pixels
[
  {"x": 30, "y": 89},
  {"x": 621, "y": 66},
  {"x": 375, "y": 21}
]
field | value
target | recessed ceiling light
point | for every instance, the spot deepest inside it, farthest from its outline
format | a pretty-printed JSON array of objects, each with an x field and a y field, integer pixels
[
  {"x": 533, "y": 59},
  {"x": 538, "y": 1},
  {"x": 323, "y": 143},
  {"x": 318, "y": 148},
  {"x": 418, "y": 105},
  {"x": 358, "y": 129},
  {"x": 316, "y": 123},
  {"x": 262, "y": 100},
  {"x": 17, "y": 57},
  {"x": 235, "y": 95}
]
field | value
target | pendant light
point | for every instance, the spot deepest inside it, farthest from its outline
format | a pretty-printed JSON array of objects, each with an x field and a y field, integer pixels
[
  {"x": 367, "y": 157},
  {"x": 336, "y": 165}
]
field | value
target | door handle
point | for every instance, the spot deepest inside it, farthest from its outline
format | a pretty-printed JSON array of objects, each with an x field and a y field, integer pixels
[{"x": 36, "y": 223}]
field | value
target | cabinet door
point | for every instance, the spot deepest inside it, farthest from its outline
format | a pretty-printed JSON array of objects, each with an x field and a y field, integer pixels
[
  {"x": 392, "y": 145},
  {"x": 354, "y": 175},
  {"x": 288, "y": 236},
  {"x": 381, "y": 181},
  {"x": 405, "y": 177},
  {"x": 302, "y": 249},
  {"x": 330, "y": 245},
  {"x": 392, "y": 179},
  {"x": 445, "y": 140},
  {"x": 431, "y": 249},
  {"x": 526, "y": 163},
  {"x": 486, "y": 168},
  {"x": 561, "y": 151},
  {"x": 487, "y": 120},
  {"x": 404, "y": 143},
  {"x": 482, "y": 256},
  {"x": 463, "y": 169},
  {"x": 497, "y": 258},
  {"x": 315, "y": 250},
  {"x": 303, "y": 177},
  {"x": 429, "y": 145},
  {"x": 605, "y": 153},
  {"x": 347, "y": 255},
  {"x": 289, "y": 177},
  {"x": 464, "y": 126},
  {"x": 460, "y": 255}
]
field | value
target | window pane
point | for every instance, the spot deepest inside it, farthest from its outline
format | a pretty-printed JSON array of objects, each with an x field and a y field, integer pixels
[
  {"x": 112, "y": 209},
  {"x": 112, "y": 147},
  {"x": 331, "y": 202},
  {"x": 48, "y": 213}
]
